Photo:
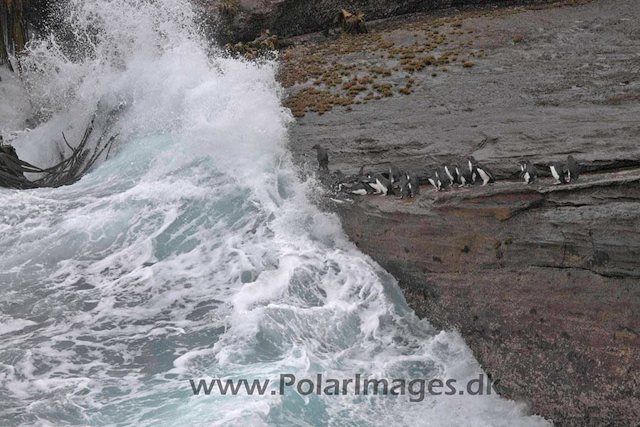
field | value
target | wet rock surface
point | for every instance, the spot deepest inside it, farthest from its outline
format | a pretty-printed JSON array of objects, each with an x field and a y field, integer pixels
[{"x": 543, "y": 281}]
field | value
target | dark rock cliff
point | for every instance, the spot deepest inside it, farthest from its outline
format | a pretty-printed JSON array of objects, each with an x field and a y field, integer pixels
[
  {"x": 244, "y": 19},
  {"x": 543, "y": 281}
]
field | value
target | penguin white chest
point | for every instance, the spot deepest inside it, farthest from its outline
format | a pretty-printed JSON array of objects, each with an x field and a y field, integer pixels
[
  {"x": 555, "y": 173},
  {"x": 484, "y": 176},
  {"x": 446, "y": 169},
  {"x": 473, "y": 172},
  {"x": 438, "y": 182},
  {"x": 527, "y": 177},
  {"x": 381, "y": 188},
  {"x": 360, "y": 192}
]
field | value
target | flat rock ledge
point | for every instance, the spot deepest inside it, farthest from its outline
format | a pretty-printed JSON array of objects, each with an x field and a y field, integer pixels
[{"x": 542, "y": 281}]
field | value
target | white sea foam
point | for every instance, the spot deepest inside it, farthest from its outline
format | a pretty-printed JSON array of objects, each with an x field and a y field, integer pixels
[{"x": 193, "y": 253}]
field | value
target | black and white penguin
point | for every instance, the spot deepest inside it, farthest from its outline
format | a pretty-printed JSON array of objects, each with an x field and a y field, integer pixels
[
  {"x": 413, "y": 184},
  {"x": 394, "y": 174},
  {"x": 452, "y": 174},
  {"x": 486, "y": 175},
  {"x": 573, "y": 169},
  {"x": 380, "y": 184},
  {"x": 557, "y": 172},
  {"x": 464, "y": 176},
  {"x": 528, "y": 172},
  {"x": 434, "y": 180},
  {"x": 472, "y": 169},
  {"x": 362, "y": 176},
  {"x": 445, "y": 181},
  {"x": 323, "y": 157},
  {"x": 479, "y": 171},
  {"x": 361, "y": 189},
  {"x": 339, "y": 180},
  {"x": 405, "y": 191}
]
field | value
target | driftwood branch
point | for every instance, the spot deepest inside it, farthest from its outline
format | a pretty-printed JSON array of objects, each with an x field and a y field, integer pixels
[{"x": 66, "y": 172}]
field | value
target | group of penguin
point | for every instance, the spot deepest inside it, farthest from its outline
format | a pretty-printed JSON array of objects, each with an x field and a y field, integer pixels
[
  {"x": 408, "y": 184},
  {"x": 561, "y": 173}
]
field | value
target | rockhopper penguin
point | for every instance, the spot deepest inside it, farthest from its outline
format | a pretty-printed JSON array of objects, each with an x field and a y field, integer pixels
[
  {"x": 380, "y": 184},
  {"x": 557, "y": 171},
  {"x": 528, "y": 172},
  {"x": 464, "y": 176},
  {"x": 573, "y": 169},
  {"x": 434, "y": 180},
  {"x": 413, "y": 184},
  {"x": 404, "y": 187},
  {"x": 361, "y": 189},
  {"x": 479, "y": 171},
  {"x": 394, "y": 174},
  {"x": 443, "y": 176},
  {"x": 472, "y": 169},
  {"x": 452, "y": 173}
]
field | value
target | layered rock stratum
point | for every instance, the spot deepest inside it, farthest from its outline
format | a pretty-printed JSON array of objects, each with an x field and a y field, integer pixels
[{"x": 542, "y": 281}]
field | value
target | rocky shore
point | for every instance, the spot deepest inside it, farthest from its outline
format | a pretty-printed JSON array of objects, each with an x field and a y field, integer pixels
[{"x": 543, "y": 281}]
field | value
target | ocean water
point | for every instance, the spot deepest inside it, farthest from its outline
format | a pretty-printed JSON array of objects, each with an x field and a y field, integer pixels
[{"x": 193, "y": 252}]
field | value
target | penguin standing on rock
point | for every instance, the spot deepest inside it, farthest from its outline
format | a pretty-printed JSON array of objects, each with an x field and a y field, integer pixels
[
  {"x": 573, "y": 169},
  {"x": 445, "y": 181},
  {"x": 528, "y": 172},
  {"x": 473, "y": 171},
  {"x": 451, "y": 173},
  {"x": 405, "y": 191},
  {"x": 464, "y": 176},
  {"x": 486, "y": 175},
  {"x": 557, "y": 171},
  {"x": 479, "y": 171},
  {"x": 413, "y": 184},
  {"x": 434, "y": 180},
  {"x": 339, "y": 179},
  {"x": 394, "y": 174},
  {"x": 323, "y": 157},
  {"x": 380, "y": 184}
]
